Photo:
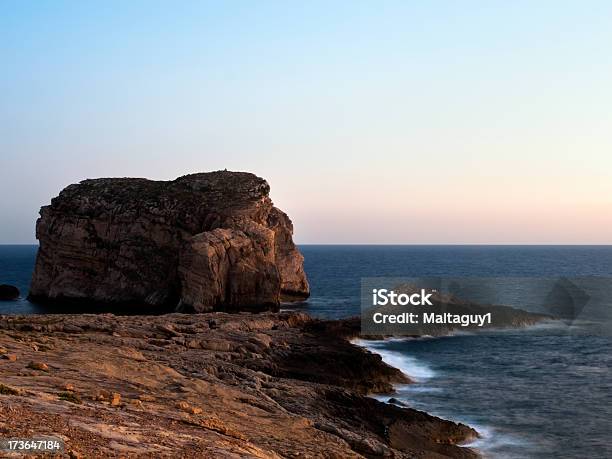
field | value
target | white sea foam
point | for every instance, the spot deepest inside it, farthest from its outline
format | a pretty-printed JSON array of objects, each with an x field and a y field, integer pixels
[
  {"x": 494, "y": 444},
  {"x": 408, "y": 365},
  {"x": 422, "y": 389},
  {"x": 491, "y": 444}
]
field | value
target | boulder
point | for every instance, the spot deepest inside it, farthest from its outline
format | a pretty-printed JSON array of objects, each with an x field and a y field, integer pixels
[
  {"x": 8, "y": 292},
  {"x": 202, "y": 242}
]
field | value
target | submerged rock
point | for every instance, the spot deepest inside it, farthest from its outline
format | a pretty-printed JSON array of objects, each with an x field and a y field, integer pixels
[
  {"x": 8, "y": 292},
  {"x": 202, "y": 242}
]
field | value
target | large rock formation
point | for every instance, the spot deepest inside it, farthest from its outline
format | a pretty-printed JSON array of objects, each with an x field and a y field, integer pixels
[{"x": 207, "y": 241}]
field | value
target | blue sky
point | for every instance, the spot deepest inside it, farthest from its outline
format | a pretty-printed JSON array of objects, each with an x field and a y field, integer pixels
[{"x": 374, "y": 122}]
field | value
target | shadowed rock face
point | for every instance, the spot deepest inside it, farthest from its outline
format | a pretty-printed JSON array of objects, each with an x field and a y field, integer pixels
[
  {"x": 8, "y": 292},
  {"x": 207, "y": 241}
]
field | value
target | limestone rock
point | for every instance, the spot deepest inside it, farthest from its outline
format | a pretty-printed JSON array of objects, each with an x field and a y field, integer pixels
[
  {"x": 41, "y": 366},
  {"x": 302, "y": 394},
  {"x": 203, "y": 242},
  {"x": 116, "y": 399},
  {"x": 227, "y": 266}
]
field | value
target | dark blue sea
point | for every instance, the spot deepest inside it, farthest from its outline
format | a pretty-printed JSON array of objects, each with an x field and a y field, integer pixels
[{"x": 539, "y": 392}]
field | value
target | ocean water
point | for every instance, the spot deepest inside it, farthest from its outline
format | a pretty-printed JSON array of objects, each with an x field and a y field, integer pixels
[{"x": 540, "y": 392}]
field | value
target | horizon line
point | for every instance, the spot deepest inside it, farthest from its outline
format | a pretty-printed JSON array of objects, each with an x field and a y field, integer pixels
[{"x": 510, "y": 244}]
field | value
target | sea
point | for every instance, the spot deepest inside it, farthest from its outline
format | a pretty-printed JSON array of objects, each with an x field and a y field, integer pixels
[{"x": 537, "y": 392}]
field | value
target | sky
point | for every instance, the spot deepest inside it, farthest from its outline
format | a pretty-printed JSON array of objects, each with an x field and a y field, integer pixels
[{"x": 374, "y": 122}]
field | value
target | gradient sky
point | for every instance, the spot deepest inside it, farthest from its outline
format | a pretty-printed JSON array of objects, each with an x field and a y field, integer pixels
[{"x": 374, "y": 122}]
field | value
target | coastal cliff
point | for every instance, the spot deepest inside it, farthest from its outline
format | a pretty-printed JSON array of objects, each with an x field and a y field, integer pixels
[
  {"x": 208, "y": 385},
  {"x": 202, "y": 242}
]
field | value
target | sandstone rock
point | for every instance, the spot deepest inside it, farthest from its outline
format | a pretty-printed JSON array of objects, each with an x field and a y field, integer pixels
[
  {"x": 102, "y": 395},
  {"x": 302, "y": 395},
  {"x": 182, "y": 405},
  {"x": 38, "y": 366},
  {"x": 71, "y": 397},
  {"x": 8, "y": 390},
  {"x": 116, "y": 399},
  {"x": 187, "y": 408},
  {"x": 8, "y": 292},
  {"x": 9, "y": 357},
  {"x": 168, "y": 330},
  {"x": 216, "y": 425},
  {"x": 290, "y": 261},
  {"x": 208, "y": 241},
  {"x": 211, "y": 261}
]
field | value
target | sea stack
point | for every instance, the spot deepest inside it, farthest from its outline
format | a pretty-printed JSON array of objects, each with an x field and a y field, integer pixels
[{"x": 203, "y": 242}]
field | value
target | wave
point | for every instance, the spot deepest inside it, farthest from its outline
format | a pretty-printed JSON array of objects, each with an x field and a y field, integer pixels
[
  {"x": 408, "y": 365},
  {"x": 492, "y": 443},
  {"x": 495, "y": 444}
]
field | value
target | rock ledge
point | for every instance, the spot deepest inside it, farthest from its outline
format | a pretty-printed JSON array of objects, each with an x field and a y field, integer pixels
[{"x": 208, "y": 385}]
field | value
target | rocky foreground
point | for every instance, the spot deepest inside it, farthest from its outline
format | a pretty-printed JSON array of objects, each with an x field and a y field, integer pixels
[{"x": 208, "y": 385}]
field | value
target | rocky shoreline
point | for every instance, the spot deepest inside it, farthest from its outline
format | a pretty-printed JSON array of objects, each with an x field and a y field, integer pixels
[{"x": 208, "y": 385}]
